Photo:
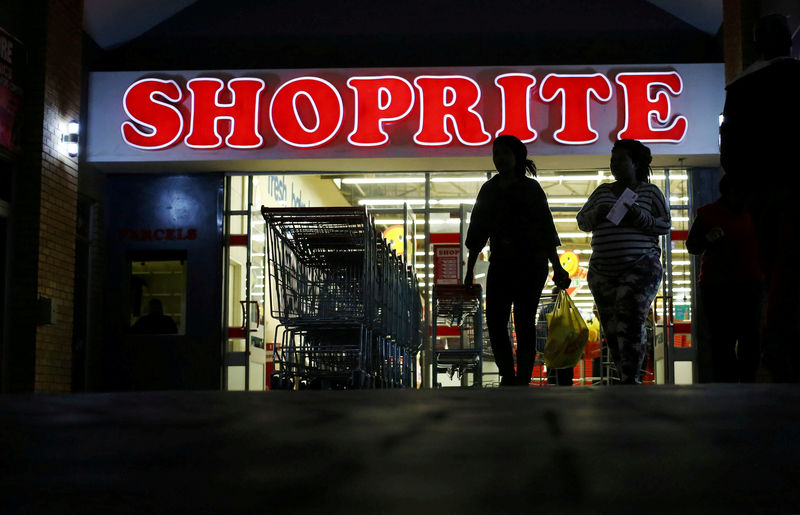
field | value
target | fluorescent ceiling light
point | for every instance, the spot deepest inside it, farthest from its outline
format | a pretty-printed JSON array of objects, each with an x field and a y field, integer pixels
[
  {"x": 567, "y": 200},
  {"x": 391, "y": 202},
  {"x": 384, "y": 180},
  {"x": 459, "y": 179},
  {"x": 453, "y": 201},
  {"x": 470, "y": 201},
  {"x": 413, "y": 201},
  {"x": 678, "y": 177},
  {"x": 600, "y": 176},
  {"x": 570, "y": 178},
  {"x": 447, "y": 221}
]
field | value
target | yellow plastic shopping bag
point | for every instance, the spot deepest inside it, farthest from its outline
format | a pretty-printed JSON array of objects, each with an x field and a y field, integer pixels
[{"x": 567, "y": 334}]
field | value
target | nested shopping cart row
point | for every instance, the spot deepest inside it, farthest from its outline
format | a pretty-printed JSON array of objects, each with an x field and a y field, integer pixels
[{"x": 349, "y": 309}]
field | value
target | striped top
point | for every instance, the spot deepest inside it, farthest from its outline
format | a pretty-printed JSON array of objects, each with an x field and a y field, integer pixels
[{"x": 615, "y": 247}]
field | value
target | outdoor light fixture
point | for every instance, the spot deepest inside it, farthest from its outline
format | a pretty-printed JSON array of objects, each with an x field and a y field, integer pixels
[{"x": 71, "y": 138}]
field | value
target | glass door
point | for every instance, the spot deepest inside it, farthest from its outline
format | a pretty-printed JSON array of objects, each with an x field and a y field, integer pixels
[
  {"x": 245, "y": 355},
  {"x": 671, "y": 350}
]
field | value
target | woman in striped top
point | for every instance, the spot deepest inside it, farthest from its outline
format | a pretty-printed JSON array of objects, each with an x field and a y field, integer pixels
[{"x": 625, "y": 269}]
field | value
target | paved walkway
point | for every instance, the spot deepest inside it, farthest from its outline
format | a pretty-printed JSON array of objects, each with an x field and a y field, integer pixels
[{"x": 709, "y": 449}]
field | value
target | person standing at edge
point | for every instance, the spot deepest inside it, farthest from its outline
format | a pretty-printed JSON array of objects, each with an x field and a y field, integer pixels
[
  {"x": 511, "y": 212},
  {"x": 731, "y": 283},
  {"x": 758, "y": 147},
  {"x": 625, "y": 268}
]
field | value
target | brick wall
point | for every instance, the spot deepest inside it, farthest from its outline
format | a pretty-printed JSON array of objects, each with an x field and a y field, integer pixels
[
  {"x": 44, "y": 200},
  {"x": 59, "y": 193}
]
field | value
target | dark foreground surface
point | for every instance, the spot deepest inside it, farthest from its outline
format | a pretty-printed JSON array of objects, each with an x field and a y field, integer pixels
[{"x": 697, "y": 449}]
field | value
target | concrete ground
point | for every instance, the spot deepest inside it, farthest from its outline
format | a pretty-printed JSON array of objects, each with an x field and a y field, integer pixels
[{"x": 657, "y": 449}]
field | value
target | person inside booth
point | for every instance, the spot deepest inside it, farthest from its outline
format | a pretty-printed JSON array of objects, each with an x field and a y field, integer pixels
[{"x": 155, "y": 321}]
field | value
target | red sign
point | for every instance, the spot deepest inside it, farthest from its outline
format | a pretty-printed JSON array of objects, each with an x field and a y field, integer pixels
[
  {"x": 171, "y": 234},
  {"x": 445, "y": 264},
  {"x": 12, "y": 57},
  {"x": 308, "y": 111}
]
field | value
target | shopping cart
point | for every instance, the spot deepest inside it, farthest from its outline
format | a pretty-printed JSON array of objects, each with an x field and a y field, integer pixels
[
  {"x": 458, "y": 306},
  {"x": 347, "y": 307}
]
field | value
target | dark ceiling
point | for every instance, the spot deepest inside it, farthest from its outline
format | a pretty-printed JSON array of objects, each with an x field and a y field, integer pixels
[{"x": 287, "y": 33}]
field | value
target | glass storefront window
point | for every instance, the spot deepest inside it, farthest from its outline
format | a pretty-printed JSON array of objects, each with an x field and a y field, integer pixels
[{"x": 394, "y": 198}]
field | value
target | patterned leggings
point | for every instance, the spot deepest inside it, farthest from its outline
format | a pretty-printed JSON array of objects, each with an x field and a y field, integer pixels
[{"x": 623, "y": 301}]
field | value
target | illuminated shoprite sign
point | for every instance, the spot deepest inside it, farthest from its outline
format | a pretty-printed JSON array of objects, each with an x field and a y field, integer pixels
[{"x": 345, "y": 113}]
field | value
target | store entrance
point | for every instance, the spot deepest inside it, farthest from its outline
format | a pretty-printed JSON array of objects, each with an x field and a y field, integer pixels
[{"x": 442, "y": 202}]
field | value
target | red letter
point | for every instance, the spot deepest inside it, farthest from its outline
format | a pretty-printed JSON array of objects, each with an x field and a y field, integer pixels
[
  {"x": 378, "y": 100},
  {"x": 576, "y": 92},
  {"x": 515, "y": 89},
  {"x": 641, "y": 105},
  {"x": 207, "y": 112},
  {"x": 163, "y": 121},
  {"x": 325, "y": 107},
  {"x": 449, "y": 97}
]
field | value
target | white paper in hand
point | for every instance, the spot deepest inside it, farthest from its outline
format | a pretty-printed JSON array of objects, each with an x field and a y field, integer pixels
[{"x": 619, "y": 210}]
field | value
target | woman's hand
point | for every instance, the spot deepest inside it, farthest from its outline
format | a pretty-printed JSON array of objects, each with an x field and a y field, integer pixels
[
  {"x": 633, "y": 212},
  {"x": 561, "y": 278}
]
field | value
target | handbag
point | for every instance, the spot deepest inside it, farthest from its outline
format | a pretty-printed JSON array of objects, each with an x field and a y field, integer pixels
[{"x": 567, "y": 334}]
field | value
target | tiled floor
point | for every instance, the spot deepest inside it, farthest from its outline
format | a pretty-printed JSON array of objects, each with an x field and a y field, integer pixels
[{"x": 709, "y": 449}]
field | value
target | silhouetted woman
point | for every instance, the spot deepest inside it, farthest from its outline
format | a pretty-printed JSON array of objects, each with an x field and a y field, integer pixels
[
  {"x": 625, "y": 268},
  {"x": 511, "y": 212}
]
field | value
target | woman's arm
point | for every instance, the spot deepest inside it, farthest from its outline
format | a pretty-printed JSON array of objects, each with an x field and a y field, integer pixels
[
  {"x": 592, "y": 213},
  {"x": 696, "y": 242},
  {"x": 471, "y": 260},
  {"x": 477, "y": 234},
  {"x": 702, "y": 237},
  {"x": 542, "y": 227},
  {"x": 657, "y": 221}
]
